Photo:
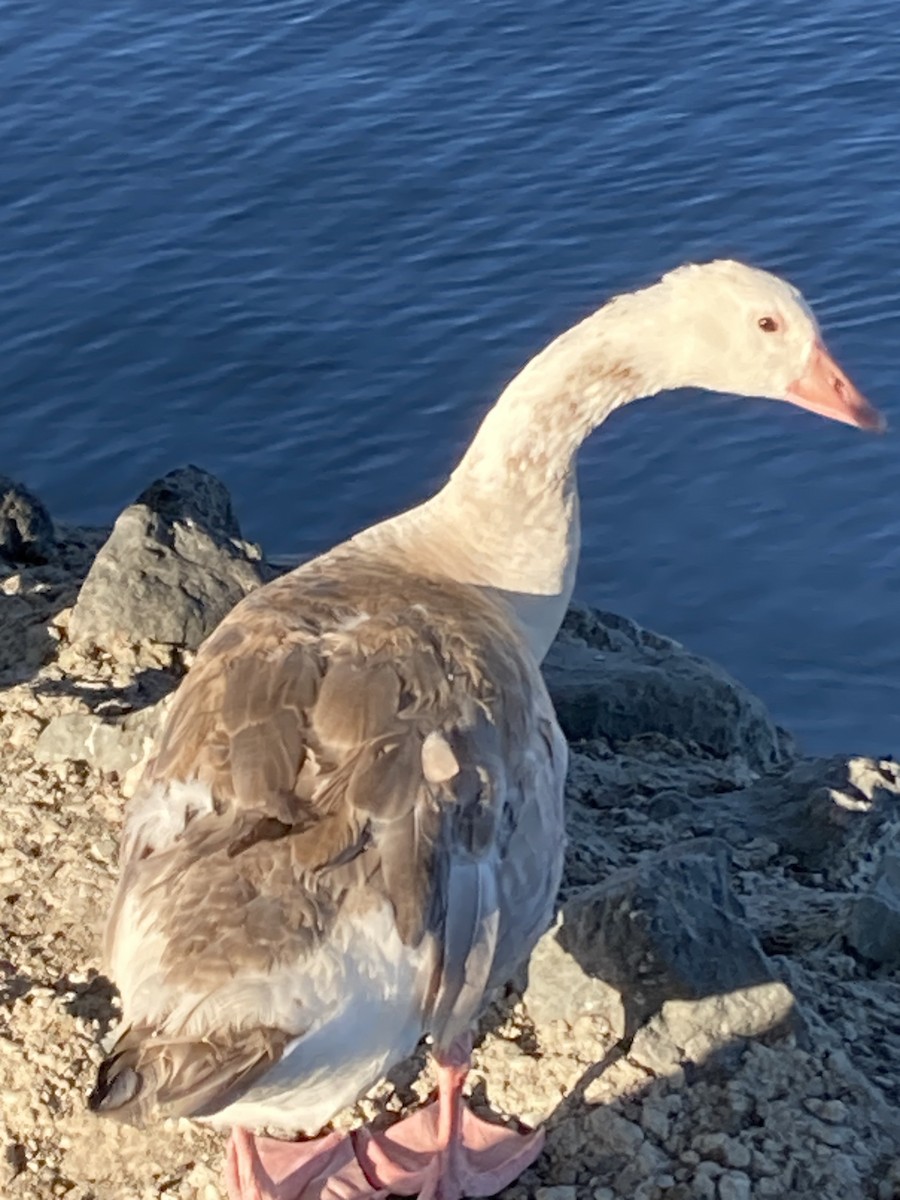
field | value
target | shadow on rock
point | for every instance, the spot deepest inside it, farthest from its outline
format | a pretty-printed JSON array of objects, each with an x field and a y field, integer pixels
[
  {"x": 13, "y": 983},
  {"x": 109, "y": 702},
  {"x": 669, "y": 929},
  {"x": 93, "y": 1000},
  {"x": 41, "y": 568},
  {"x": 610, "y": 678}
]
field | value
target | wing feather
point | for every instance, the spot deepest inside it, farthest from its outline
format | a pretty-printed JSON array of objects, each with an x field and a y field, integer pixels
[{"x": 324, "y": 756}]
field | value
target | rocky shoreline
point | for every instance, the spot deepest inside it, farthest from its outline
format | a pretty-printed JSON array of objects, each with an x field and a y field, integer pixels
[{"x": 715, "y": 1015}]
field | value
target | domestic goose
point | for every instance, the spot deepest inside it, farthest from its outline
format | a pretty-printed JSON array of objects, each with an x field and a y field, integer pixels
[{"x": 351, "y": 829}]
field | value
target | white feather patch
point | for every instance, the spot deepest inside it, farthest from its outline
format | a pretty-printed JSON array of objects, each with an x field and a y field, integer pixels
[
  {"x": 157, "y": 817},
  {"x": 355, "y": 1005}
]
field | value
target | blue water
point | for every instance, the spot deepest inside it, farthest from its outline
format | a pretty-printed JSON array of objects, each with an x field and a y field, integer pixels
[{"x": 305, "y": 244}]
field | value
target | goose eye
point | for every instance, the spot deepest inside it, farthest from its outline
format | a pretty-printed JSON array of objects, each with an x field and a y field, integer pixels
[{"x": 767, "y": 324}]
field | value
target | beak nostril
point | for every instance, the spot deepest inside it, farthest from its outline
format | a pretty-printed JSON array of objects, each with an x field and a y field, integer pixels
[{"x": 824, "y": 388}]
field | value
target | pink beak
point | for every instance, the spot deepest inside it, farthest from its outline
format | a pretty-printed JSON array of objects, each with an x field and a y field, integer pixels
[{"x": 824, "y": 388}]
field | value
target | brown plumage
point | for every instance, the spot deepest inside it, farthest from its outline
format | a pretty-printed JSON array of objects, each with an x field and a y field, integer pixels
[{"x": 353, "y": 754}]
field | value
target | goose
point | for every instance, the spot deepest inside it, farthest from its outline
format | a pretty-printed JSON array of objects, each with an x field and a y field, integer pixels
[{"x": 351, "y": 828}]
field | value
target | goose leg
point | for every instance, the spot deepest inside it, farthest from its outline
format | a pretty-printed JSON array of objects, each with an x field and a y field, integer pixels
[
  {"x": 258, "y": 1168},
  {"x": 444, "y": 1151}
]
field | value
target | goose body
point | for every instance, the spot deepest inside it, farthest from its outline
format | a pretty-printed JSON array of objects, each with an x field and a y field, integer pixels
[{"x": 352, "y": 827}]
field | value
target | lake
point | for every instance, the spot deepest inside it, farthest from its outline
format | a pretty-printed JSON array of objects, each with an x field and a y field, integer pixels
[{"x": 305, "y": 245}]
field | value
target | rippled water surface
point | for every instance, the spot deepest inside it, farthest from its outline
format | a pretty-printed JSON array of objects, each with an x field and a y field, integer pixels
[{"x": 305, "y": 244}]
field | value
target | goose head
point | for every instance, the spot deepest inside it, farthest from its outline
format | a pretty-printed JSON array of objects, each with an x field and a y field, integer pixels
[{"x": 741, "y": 330}]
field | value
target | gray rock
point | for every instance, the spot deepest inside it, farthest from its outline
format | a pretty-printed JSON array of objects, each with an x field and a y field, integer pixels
[
  {"x": 616, "y": 1134},
  {"x": 609, "y": 678},
  {"x": 835, "y": 816},
  {"x": 655, "y": 1120},
  {"x": 661, "y": 951},
  {"x": 668, "y": 928},
  {"x": 721, "y": 1148},
  {"x": 109, "y": 745},
  {"x": 735, "y": 1185},
  {"x": 188, "y": 493},
  {"x": 874, "y": 926},
  {"x": 172, "y": 568},
  {"x": 26, "y": 530}
]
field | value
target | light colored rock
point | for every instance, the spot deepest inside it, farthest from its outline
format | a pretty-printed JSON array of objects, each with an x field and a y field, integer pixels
[
  {"x": 693, "y": 1030},
  {"x": 735, "y": 1185},
  {"x": 560, "y": 989},
  {"x": 112, "y": 746}
]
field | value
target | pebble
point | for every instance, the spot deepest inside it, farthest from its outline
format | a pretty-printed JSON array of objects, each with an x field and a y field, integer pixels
[
  {"x": 763, "y": 1165},
  {"x": 723, "y": 1149},
  {"x": 711, "y": 1170},
  {"x": 655, "y": 1120},
  {"x": 768, "y": 1187},
  {"x": 703, "y": 1188},
  {"x": 834, "y": 1112},
  {"x": 557, "y": 1192},
  {"x": 834, "y": 1136},
  {"x": 614, "y": 1133},
  {"x": 650, "y": 1157},
  {"x": 737, "y": 1154},
  {"x": 735, "y": 1185}
]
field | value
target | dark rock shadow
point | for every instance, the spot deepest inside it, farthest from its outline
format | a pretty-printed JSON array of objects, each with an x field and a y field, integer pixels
[
  {"x": 94, "y": 1000},
  {"x": 41, "y": 591},
  {"x": 824, "y": 812},
  {"x": 25, "y": 643},
  {"x": 145, "y": 689},
  {"x": 13, "y": 984},
  {"x": 668, "y": 928}
]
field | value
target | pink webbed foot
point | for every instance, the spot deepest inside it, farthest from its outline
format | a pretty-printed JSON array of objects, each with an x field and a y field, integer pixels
[
  {"x": 410, "y": 1159},
  {"x": 259, "y": 1168},
  {"x": 444, "y": 1151}
]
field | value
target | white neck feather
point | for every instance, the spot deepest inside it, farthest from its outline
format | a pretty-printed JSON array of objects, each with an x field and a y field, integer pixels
[{"x": 508, "y": 518}]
